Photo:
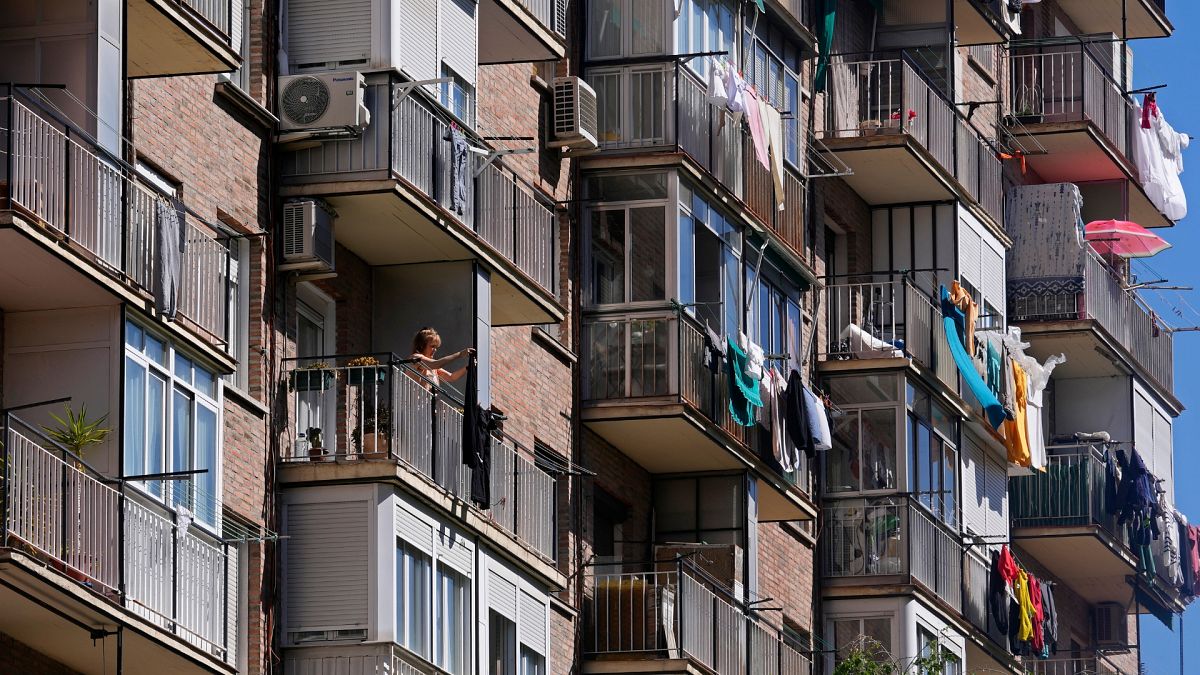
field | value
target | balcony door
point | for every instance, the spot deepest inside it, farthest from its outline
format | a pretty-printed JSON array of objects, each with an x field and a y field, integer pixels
[{"x": 316, "y": 409}]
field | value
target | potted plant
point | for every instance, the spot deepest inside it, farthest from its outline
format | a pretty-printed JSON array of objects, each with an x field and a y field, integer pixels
[
  {"x": 1028, "y": 110},
  {"x": 316, "y": 445},
  {"x": 373, "y": 434},
  {"x": 77, "y": 433},
  {"x": 365, "y": 370},
  {"x": 317, "y": 376}
]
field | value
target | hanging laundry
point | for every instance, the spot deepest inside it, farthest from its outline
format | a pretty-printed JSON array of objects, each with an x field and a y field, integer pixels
[
  {"x": 754, "y": 357},
  {"x": 772, "y": 123},
  {"x": 799, "y": 428},
  {"x": 1037, "y": 617},
  {"x": 477, "y": 427},
  {"x": 459, "y": 152},
  {"x": 1192, "y": 543},
  {"x": 1016, "y": 430},
  {"x": 1138, "y": 508},
  {"x": 1171, "y": 560},
  {"x": 1025, "y": 606},
  {"x": 970, "y": 309},
  {"x": 818, "y": 421},
  {"x": 952, "y": 319},
  {"x": 170, "y": 246},
  {"x": 757, "y": 134},
  {"x": 735, "y": 89},
  {"x": 1049, "y": 620},
  {"x": 1158, "y": 153},
  {"x": 717, "y": 92},
  {"x": 998, "y": 608},
  {"x": 774, "y": 393},
  {"x": 714, "y": 349},
  {"x": 994, "y": 381},
  {"x": 744, "y": 398}
]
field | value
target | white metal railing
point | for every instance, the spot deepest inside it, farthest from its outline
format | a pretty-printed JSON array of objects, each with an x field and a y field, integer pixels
[
  {"x": 359, "y": 659},
  {"x": 60, "y": 509},
  {"x": 217, "y": 13},
  {"x": 62, "y": 178},
  {"x": 369, "y": 407},
  {"x": 550, "y": 13},
  {"x": 676, "y": 612},
  {"x": 1093, "y": 665}
]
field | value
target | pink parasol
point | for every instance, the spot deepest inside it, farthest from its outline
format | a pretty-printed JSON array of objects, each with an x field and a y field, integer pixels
[{"x": 1123, "y": 239}]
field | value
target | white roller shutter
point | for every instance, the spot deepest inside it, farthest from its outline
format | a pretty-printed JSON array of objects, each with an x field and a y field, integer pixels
[
  {"x": 414, "y": 529},
  {"x": 327, "y": 556},
  {"x": 238, "y": 9},
  {"x": 974, "y": 491},
  {"x": 416, "y": 41},
  {"x": 457, "y": 39},
  {"x": 991, "y": 265},
  {"x": 455, "y": 550},
  {"x": 996, "y": 485},
  {"x": 320, "y": 31},
  {"x": 233, "y": 602},
  {"x": 502, "y": 595},
  {"x": 532, "y": 626},
  {"x": 970, "y": 245}
]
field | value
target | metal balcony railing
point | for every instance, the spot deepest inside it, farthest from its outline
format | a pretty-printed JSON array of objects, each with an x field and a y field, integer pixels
[
  {"x": 550, "y": 13},
  {"x": 1121, "y": 312},
  {"x": 885, "y": 97},
  {"x": 1067, "y": 83},
  {"x": 675, "y": 611},
  {"x": 218, "y": 14},
  {"x": 61, "y": 177},
  {"x": 407, "y": 139},
  {"x": 663, "y": 106},
  {"x": 343, "y": 409},
  {"x": 662, "y": 355},
  {"x": 893, "y": 536},
  {"x": 887, "y": 319},
  {"x": 1070, "y": 493},
  {"x": 366, "y": 657},
  {"x": 1090, "y": 665},
  {"x": 121, "y": 544}
]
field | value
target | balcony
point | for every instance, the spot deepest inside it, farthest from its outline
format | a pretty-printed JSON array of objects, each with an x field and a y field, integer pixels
[
  {"x": 675, "y": 619},
  {"x": 1065, "y": 97},
  {"x": 388, "y": 421},
  {"x": 391, "y": 189},
  {"x": 522, "y": 30},
  {"x": 904, "y": 141},
  {"x": 183, "y": 37},
  {"x": 678, "y": 120},
  {"x": 84, "y": 225},
  {"x": 881, "y": 323},
  {"x": 1092, "y": 665},
  {"x": 1062, "y": 517},
  {"x": 892, "y": 540},
  {"x": 366, "y": 657},
  {"x": 108, "y": 555},
  {"x": 1089, "y": 299},
  {"x": 1123, "y": 18},
  {"x": 647, "y": 391},
  {"x": 976, "y": 22}
]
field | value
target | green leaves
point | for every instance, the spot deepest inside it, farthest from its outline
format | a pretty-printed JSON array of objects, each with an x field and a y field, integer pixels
[
  {"x": 77, "y": 433},
  {"x": 866, "y": 656}
]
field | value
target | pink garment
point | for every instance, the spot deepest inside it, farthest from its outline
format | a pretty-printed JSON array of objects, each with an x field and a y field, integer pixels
[{"x": 757, "y": 134}]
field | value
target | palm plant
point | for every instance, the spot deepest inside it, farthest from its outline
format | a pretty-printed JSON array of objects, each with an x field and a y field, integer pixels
[{"x": 76, "y": 432}]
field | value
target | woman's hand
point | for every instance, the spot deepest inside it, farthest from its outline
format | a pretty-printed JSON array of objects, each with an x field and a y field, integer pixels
[{"x": 469, "y": 351}]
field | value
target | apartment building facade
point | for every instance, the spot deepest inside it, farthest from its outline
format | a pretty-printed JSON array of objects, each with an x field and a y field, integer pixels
[{"x": 290, "y": 487}]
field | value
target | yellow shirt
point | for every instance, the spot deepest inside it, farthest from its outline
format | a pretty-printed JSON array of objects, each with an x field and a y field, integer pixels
[
  {"x": 1016, "y": 430},
  {"x": 1025, "y": 628}
]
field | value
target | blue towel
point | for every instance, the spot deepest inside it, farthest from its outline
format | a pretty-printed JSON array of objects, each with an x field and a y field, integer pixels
[
  {"x": 744, "y": 397},
  {"x": 953, "y": 318}
]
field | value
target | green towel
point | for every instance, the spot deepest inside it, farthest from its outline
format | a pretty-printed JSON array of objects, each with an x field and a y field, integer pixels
[{"x": 743, "y": 389}]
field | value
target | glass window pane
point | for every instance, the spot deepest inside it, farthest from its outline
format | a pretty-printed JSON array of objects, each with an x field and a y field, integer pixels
[
  {"x": 608, "y": 257},
  {"x": 864, "y": 389},
  {"x": 157, "y": 350},
  {"x": 721, "y": 502},
  {"x": 604, "y": 36},
  {"x": 206, "y": 382},
  {"x": 156, "y": 447},
  {"x": 135, "y": 418},
  {"x": 206, "y": 458},
  {"x": 878, "y": 449},
  {"x": 502, "y": 645},
  {"x": 687, "y": 262},
  {"x": 628, "y": 187},
  {"x": 134, "y": 335},
  {"x": 648, "y": 244},
  {"x": 453, "y": 621},
  {"x": 845, "y": 636},
  {"x": 181, "y": 446},
  {"x": 648, "y": 357},
  {"x": 733, "y": 293},
  {"x": 675, "y": 505},
  {"x": 879, "y": 631},
  {"x": 841, "y": 462},
  {"x": 606, "y": 367},
  {"x": 950, "y": 486},
  {"x": 183, "y": 368}
]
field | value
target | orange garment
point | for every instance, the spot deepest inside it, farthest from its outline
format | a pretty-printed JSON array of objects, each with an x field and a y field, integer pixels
[
  {"x": 962, "y": 300},
  {"x": 1016, "y": 430}
]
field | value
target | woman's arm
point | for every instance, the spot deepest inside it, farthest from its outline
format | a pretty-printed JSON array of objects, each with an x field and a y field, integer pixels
[
  {"x": 451, "y": 377},
  {"x": 431, "y": 364}
]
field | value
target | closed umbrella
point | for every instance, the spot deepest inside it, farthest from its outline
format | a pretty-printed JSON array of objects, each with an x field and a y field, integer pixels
[{"x": 1123, "y": 239}]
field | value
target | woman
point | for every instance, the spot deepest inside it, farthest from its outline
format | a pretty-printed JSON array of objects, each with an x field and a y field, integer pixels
[{"x": 425, "y": 343}]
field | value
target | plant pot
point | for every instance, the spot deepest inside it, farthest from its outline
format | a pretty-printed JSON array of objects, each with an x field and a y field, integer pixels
[
  {"x": 317, "y": 379},
  {"x": 317, "y": 454},
  {"x": 358, "y": 376},
  {"x": 1026, "y": 119},
  {"x": 375, "y": 444}
]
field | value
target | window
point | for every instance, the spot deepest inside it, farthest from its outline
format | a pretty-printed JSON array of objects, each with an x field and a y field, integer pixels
[
  {"x": 502, "y": 645},
  {"x": 628, "y": 255},
  {"x": 172, "y": 423},
  {"x": 552, "y": 463},
  {"x": 412, "y": 607},
  {"x": 927, "y": 642},
  {"x": 240, "y": 78},
  {"x": 239, "y": 313},
  {"x": 457, "y": 95},
  {"x": 863, "y": 458},
  {"x": 710, "y": 266},
  {"x": 608, "y": 515},
  {"x": 532, "y": 663},
  {"x": 619, "y": 28},
  {"x": 872, "y": 635},
  {"x": 701, "y": 510},
  {"x": 933, "y": 462},
  {"x": 772, "y": 65},
  {"x": 705, "y": 26},
  {"x": 454, "y": 621}
]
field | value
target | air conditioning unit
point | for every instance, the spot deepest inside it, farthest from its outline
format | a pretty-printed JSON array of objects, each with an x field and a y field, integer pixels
[
  {"x": 307, "y": 236},
  {"x": 323, "y": 101},
  {"x": 574, "y": 114},
  {"x": 1111, "y": 624}
]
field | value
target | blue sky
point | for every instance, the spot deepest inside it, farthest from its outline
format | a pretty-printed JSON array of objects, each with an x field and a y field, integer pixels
[{"x": 1176, "y": 62}]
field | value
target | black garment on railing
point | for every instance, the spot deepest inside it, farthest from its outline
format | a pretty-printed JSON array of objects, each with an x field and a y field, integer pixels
[
  {"x": 1049, "y": 618},
  {"x": 998, "y": 599},
  {"x": 796, "y": 413},
  {"x": 172, "y": 238},
  {"x": 478, "y": 425}
]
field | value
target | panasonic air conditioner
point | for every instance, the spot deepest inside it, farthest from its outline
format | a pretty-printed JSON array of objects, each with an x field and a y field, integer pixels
[
  {"x": 323, "y": 101},
  {"x": 574, "y": 114},
  {"x": 307, "y": 236},
  {"x": 1111, "y": 623}
]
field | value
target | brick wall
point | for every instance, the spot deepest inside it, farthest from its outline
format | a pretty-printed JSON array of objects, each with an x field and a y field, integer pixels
[
  {"x": 786, "y": 575},
  {"x": 18, "y": 658}
]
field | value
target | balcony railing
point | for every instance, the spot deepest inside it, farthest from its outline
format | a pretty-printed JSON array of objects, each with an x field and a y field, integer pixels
[
  {"x": 1070, "y": 493},
  {"x": 218, "y": 14},
  {"x": 367, "y": 657},
  {"x": 662, "y": 356},
  {"x": 677, "y": 612},
  {"x": 1105, "y": 300},
  {"x": 894, "y": 537},
  {"x": 407, "y": 140},
  {"x": 126, "y": 547},
  {"x": 887, "y": 319},
  {"x": 1092, "y": 665},
  {"x": 550, "y": 13},
  {"x": 665, "y": 107},
  {"x": 389, "y": 411},
  {"x": 1067, "y": 83},
  {"x": 58, "y": 175},
  {"x": 892, "y": 96}
]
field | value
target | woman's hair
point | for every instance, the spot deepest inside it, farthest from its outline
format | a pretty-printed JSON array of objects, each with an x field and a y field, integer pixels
[{"x": 423, "y": 338}]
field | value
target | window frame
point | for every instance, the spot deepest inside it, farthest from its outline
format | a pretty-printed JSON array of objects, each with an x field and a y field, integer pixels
[
  {"x": 166, "y": 372},
  {"x": 238, "y": 317},
  {"x": 626, "y": 42},
  {"x": 454, "y": 85},
  {"x": 590, "y": 287},
  {"x": 434, "y": 620}
]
